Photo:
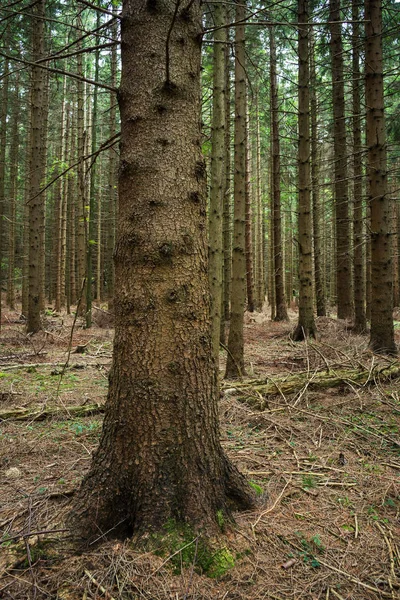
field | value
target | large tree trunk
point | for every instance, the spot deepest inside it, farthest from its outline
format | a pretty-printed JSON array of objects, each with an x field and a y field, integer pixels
[
  {"x": 306, "y": 323},
  {"x": 382, "y": 331},
  {"x": 235, "y": 359},
  {"x": 343, "y": 245},
  {"x": 160, "y": 457}
]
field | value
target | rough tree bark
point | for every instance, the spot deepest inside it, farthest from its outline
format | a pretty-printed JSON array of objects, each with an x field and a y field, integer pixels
[
  {"x": 281, "y": 310},
  {"x": 217, "y": 177},
  {"x": 360, "y": 319},
  {"x": 36, "y": 200},
  {"x": 382, "y": 330},
  {"x": 235, "y": 359},
  {"x": 306, "y": 324},
  {"x": 343, "y": 245},
  {"x": 160, "y": 456}
]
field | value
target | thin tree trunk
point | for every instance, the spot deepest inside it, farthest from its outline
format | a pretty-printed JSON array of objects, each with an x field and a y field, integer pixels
[
  {"x": 91, "y": 222},
  {"x": 382, "y": 331},
  {"x": 235, "y": 360},
  {"x": 217, "y": 177},
  {"x": 36, "y": 200},
  {"x": 259, "y": 242},
  {"x": 306, "y": 325},
  {"x": 318, "y": 271},
  {"x": 281, "y": 310},
  {"x": 249, "y": 218},
  {"x": 3, "y": 139},
  {"x": 13, "y": 194},
  {"x": 227, "y": 217},
  {"x": 80, "y": 207},
  {"x": 343, "y": 246},
  {"x": 360, "y": 320}
]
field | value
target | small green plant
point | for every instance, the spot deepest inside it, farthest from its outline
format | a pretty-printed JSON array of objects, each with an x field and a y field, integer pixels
[
  {"x": 308, "y": 482},
  {"x": 257, "y": 488},
  {"x": 310, "y": 548}
]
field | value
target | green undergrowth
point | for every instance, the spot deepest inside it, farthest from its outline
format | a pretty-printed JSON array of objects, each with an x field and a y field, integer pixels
[{"x": 182, "y": 548}]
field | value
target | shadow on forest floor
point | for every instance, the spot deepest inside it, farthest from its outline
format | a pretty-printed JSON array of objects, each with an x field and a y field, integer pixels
[{"x": 326, "y": 460}]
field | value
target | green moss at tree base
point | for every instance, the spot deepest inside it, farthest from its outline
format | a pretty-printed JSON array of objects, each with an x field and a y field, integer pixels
[{"x": 182, "y": 547}]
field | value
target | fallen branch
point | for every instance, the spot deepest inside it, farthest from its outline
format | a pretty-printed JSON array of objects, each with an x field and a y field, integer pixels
[
  {"x": 41, "y": 414},
  {"x": 249, "y": 391}
]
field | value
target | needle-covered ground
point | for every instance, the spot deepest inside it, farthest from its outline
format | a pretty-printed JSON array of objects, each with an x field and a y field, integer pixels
[{"x": 315, "y": 426}]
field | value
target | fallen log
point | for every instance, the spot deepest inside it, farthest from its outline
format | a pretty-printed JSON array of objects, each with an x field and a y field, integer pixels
[
  {"x": 40, "y": 414},
  {"x": 255, "y": 391}
]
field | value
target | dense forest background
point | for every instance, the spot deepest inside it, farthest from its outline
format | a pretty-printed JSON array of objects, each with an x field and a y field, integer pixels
[{"x": 59, "y": 154}]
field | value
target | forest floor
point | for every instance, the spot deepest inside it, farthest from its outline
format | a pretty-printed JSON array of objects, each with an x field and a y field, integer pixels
[{"x": 325, "y": 461}]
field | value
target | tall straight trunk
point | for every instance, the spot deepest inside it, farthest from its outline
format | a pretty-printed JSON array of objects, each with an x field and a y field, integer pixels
[
  {"x": 316, "y": 199},
  {"x": 235, "y": 359},
  {"x": 112, "y": 178},
  {"x": 160, "y": 462},
  {"x": 59, "y": 208},
  {"x": 382, "y": 331},
  {"x": 43, "y": 173},
  {"x": 360, "y": 320},
  {"x": 281, "y": 310},
  {"x": 25, "y": 214},
  {"x": 13, "y": 190},
  {"x": 99, "y": 279},
  {"x": 36, "y": 200},
  {"x": 80, "y": 208},
  {"x": 343, "y": 245},
  {"x": 65, "y": 187},
  {"x": 306, "y": 324},
  {"x": 227, "y": 217},
  {"x": 259, "y": 242},
  {"x": 289, "y": 256},
  {"x": 91, "y": 222},
  {"x": 249, "y": 218},
  {"x": 3, "y": 139},
  {"x": 70, "y": 267},
  {"x": 270, "y": 247},
  {"x": 217, "y": 179}
]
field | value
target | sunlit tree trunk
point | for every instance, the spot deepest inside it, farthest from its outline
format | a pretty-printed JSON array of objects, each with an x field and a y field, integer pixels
[
  {"x": 306, "y": 324},
  {"x": 382, "y": 331}
]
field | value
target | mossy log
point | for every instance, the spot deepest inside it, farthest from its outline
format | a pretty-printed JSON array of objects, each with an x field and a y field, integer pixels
[
  {"x": 255, "y": 391},
  {"x": 42, "y": 413}
]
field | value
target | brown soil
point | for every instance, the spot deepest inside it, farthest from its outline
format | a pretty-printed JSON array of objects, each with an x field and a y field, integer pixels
[{"x": 326, "y": 465}]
